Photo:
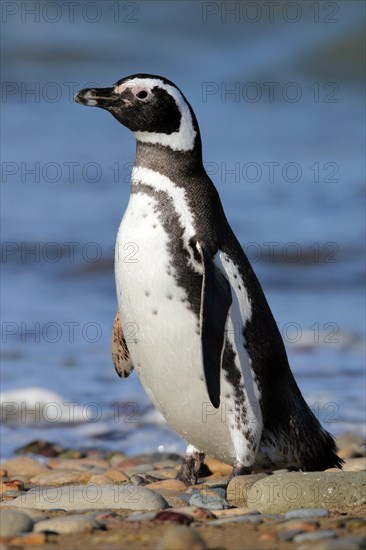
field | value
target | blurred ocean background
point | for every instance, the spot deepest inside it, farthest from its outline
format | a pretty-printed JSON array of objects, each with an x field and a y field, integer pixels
[{"x": 279, "y": 95}]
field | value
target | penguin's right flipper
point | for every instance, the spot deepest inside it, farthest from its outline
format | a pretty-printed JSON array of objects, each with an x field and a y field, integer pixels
[
  {"x": 215, "y": 303},
  {"x": 120, "y": 354}
]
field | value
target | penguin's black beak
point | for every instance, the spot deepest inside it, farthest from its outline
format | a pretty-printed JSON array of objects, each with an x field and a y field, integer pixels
[{"x": 97, "y": 97}]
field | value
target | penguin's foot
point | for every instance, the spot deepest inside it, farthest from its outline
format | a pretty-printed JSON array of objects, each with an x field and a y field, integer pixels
[
  {"x": 190, "y": 470},
  {"x": 240, "y": 470}
]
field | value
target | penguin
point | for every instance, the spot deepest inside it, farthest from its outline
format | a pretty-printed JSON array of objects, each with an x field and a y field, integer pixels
[{"x": 198, "y": 329}]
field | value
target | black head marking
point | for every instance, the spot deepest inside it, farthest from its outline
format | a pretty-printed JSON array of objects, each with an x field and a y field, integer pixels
[{"x": 150, "y": 106}]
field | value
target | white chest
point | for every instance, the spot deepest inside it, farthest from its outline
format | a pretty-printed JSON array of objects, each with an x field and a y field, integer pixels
[{"x": 162, "y": 332}]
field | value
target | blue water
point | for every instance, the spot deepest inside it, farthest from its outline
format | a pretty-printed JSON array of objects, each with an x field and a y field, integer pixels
[{"x": 281, "y": 111}]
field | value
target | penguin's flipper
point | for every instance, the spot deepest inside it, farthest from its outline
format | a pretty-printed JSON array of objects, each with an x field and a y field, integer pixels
[
  {"x": 120, "y": 354},
  {"x": 215, "y": 303}
]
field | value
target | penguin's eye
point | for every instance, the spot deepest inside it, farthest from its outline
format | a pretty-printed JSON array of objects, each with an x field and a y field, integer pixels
[{"x": 142, "y": 95}]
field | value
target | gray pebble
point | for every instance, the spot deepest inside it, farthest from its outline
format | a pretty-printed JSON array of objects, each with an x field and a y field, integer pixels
[
  {"x": 137, "y": 480},
  {"x": 65, "y": 525},
  {"x": 92, "y": 497},
  {"x": 307, "y": 513},
  {"x": 141, "y": 516},
  {"x": 35, "y": 515},
  {"x": 345, "y": 543},
  {"x": 13, "y": 522},
  {"x": 209, "y": 501},
  {"x": 246, "y": 518},
  {"x": 315, "y": 535},
  {"x": 276, "y": 517},
  {"x": 289, "y": 535}
]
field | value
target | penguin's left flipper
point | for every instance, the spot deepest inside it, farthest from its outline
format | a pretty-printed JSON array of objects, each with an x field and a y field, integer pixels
[
  {"x": 120, "y": 354},
  {"x": 215, "y": 303}
]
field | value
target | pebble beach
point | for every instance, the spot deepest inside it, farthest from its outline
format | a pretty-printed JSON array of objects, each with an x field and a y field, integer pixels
[{"x": 53, "y": 497}]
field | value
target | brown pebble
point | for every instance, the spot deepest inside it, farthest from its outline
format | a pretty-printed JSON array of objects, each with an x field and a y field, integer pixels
[
  {"x": 355, "y": 465},
  {"x": 111, "y": 476},
  {"x": 100, "y": 479},
  {"x": 196, "y": 513},
  {"x": 15, "y": 485},
  {"x": 232, "y": 512},
  {"x": 306, "y": 526},
  {"x": 350, "y": 445},
  {"x": 216, "y": 466},
  {"x": 168, "y": 484},
  {"x": 3, "y": 472},
  {"x": 78, "y": 464},
  {"x": 61, "y": 477},
  {"x": 24, "y": 465},
  {"x": 116, "y": 458},
  {"x": 181, "y": 537},
  {"x": 18, "y": 477},
  {"x": 31, "y": 539},
  {"x": 270, "y": 535},
  {"x": 128, "y": 462},
  {"x": 117, "y": 476},
  {"x": 166, "y": 473}
]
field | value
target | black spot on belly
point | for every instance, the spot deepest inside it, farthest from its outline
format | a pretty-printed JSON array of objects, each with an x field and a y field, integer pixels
[
  {"x": 184, "y": 274},
  {"x": 147, "y": 292},
  {"x": 154, "y": 311},
  {"x": 144, "y": 215},
  {"x": 154, "y": 225},
  {"x": 169, "y": 296}
]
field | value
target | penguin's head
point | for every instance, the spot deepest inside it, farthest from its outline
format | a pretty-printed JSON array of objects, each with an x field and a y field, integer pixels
[{"x": 152, "y": 107}]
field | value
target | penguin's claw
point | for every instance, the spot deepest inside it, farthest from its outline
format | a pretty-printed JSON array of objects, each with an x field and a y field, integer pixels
[{"x": 190, "y": 470}]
